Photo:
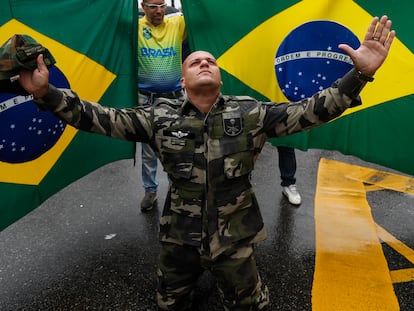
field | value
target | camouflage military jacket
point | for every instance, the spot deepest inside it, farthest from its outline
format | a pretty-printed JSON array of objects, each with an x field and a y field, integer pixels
[{"x": 208, "y": 157}]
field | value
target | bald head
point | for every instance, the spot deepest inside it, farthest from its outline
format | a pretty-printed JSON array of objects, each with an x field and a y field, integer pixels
[
  {"x": 198, "y": 54},
  {"x": 200, "y": 69}
]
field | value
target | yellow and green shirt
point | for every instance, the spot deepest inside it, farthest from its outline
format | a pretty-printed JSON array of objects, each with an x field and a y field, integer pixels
[{"x": 159, "y": 54}]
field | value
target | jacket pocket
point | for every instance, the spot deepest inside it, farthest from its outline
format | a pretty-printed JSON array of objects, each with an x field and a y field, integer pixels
[{"x": 177, "y": 155}]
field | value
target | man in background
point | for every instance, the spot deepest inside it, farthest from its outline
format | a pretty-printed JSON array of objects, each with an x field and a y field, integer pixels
[
  {"x": 287, "y": 168},
  {"x": 160, "y": 39}
]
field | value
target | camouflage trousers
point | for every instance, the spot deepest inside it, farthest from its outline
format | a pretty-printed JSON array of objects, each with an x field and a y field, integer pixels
[{"x": 236, "y": 273}]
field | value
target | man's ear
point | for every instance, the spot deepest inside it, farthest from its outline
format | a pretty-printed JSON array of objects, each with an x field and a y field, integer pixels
[{"x": 182, "y": 80}]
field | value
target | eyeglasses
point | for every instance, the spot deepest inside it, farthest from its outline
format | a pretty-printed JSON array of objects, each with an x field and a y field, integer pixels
[{"x": 153, "y": 6}]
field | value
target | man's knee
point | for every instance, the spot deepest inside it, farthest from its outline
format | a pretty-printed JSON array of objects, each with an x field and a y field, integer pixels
[
  {"x": 179, "y": 269},
  {"x": 239, "y": 281}
]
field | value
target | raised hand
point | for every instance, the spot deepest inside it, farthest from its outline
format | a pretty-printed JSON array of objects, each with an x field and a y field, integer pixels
[
  {"x": 374, "y": 49},
  {"x": 35, "y": 82}
]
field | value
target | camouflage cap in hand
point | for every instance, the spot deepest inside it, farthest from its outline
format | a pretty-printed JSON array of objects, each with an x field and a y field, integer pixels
[{"x": 19, "y": 52}]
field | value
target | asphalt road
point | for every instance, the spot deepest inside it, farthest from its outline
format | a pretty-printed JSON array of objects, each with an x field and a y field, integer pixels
[{"x": 90, "y": 248}]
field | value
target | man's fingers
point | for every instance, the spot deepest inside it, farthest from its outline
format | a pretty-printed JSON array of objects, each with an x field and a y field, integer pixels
[
  {"x": 41, "y": 66},
  {"x": 380, "y": 28},
  {"x": 389, "y": 40},
  {"x": 346, "y": 48},
  {"x": 371, "y": 29}
]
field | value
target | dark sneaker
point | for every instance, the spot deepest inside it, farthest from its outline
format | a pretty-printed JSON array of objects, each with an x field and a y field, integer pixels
[
  {"x": 292, "y": 194},
  {"x": 149, "y": 201}
]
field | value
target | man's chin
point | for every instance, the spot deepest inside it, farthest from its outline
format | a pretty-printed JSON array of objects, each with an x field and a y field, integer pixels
[
  {"x": 157, "y": 21},
  {"x": 208, "y": 84}
]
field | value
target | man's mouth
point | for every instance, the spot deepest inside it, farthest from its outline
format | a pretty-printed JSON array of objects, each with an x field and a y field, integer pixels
[{"x": 204, "y": 71}]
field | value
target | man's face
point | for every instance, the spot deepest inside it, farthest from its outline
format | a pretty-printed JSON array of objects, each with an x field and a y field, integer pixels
[
  {"x": 200, "y": 69},
  {"x": 154, "y": 11}
]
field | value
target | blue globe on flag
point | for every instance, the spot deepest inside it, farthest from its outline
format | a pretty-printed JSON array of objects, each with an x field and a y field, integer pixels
[
  {"x": 309, "y": 60},
  {"x": 26, "y": 132}
]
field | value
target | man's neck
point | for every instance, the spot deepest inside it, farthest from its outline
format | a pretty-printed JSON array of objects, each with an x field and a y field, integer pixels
[{"x": 203, "y": 101}]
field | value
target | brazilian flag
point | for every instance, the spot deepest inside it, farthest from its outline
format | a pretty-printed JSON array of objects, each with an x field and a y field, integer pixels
[
  {"x": 287, "y": 50},
  {"x": 94, "y": 45}
]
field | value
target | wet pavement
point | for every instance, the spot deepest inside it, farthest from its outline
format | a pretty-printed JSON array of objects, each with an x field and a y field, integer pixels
[{"x": 90, "y": 248}]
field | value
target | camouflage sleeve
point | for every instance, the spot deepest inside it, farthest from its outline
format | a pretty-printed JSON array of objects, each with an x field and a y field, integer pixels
[
  {"x": 134, "y": 124},
  {"x": 287, "y": 118}
]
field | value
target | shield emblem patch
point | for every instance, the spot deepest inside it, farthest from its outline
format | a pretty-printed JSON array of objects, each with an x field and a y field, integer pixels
[{"x": 232, "y": 123}]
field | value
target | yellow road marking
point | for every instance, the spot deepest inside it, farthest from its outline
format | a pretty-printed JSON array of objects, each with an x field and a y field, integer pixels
[
  {"x": 382, "y": 179},
  {"x": 397, "y": 245},
  {"x": 402, "y": 275},
  {"x": 351, "y": 272}
]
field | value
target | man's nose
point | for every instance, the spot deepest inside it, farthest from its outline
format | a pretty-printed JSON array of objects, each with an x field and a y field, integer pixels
[{"x": 204, "y": 62}]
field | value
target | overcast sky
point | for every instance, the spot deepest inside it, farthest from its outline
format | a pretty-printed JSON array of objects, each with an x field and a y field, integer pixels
[{"x": 177, "y": 3}]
